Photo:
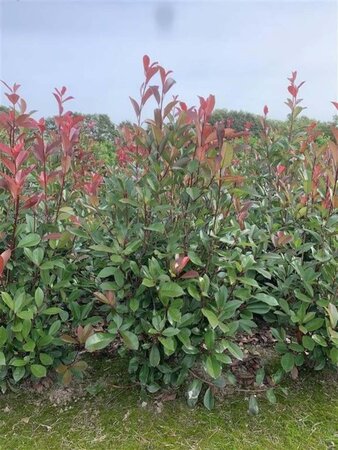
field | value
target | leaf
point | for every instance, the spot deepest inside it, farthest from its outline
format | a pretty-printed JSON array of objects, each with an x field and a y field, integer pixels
[
  {"x": 193, "y": 392},
  {"x": 260, "y": 375},
  {"x": 31, "y": 240},
  {"x": 51, "y": 311},
  {"x": 3, "y": 336},
  {"x": 154, "y": 356},
  {"x": 268, "y": 299},
  {"x": 38, "y": 370},
  {"x": 213, "y": 367},
  {"x": 39, "y": 296},
  {"x": 228, "y": 154},
  {"x": 249, "y": 281},
  {"x": 98, "y": 341},
  {"x": 333, "y": 314},
  {"x": 235, "y": 350},
  {"x": 288, "y": 362},
  {"x": 7, "y": 299},
  {"x": 168, "y": 344},
  {"x": 18, "y": 373},
  {"x": 171, "y": 290},
  {"x": 45, "y": 359},
  {"x": 253, "y": 406},
  {"x": 132, "y": 247},
  {"x": 157, "y": 227},
  {"x": 270, "y": 395},
  {"x": 314, "y": 324},
  {"x": 308, "y": 343},
  {"x": 209, "y": 400},
  {"x": 212, "y": 318},
  {"x": 334, "y": 355},
  {"x": 106, "y": 272},
  {"x": 130, "y": 340},
  {"x": 2, "y": 359}
]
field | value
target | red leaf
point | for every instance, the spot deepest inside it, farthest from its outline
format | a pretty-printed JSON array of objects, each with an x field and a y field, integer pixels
[
  {"x": 190, "y": 274},
  {"x": 156, "y": 93},
  {"x": 265, "y": 110},
  {"x": 4, "y": 257},
  {"x": 169, "y": 82},
  {"x": 13, "y": 98},
  {"x": 52, "y": 237},
  {"x": 146, "y": 62},
  {"x": 135, "y": 106},
  {"x": 9, "y": 164},
  {"x": 293, "y": 90},
  {"x": 32, "y": 201},
  {"x": 149, "y": 92},
  {"x": 5, "y": 149}
]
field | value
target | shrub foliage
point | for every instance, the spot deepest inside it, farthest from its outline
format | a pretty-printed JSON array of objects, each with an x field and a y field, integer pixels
[{"x": 195, "y": 237}]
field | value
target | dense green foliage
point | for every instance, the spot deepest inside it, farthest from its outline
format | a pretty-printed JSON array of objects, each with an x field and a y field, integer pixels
[{"x": 193, "y": 238}]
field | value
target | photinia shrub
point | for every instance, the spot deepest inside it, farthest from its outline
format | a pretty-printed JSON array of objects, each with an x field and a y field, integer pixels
[
  {"x": 42, "y": 174},
  {"x": 204, "y": 237},
  {"x": 189, "y": 239}
]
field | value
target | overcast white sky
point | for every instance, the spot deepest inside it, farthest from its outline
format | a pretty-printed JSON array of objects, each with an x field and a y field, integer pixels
[{"x": 241, "y": 51}]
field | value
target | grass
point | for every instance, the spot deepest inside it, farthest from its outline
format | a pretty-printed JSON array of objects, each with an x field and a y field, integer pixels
[{"x": 117, "y": 418}]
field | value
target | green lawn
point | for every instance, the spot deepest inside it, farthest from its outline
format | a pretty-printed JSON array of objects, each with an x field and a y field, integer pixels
[{"x": 117, "y": 418}]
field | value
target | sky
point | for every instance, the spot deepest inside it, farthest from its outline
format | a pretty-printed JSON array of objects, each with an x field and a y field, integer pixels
[{"x": 241, "y": 51}]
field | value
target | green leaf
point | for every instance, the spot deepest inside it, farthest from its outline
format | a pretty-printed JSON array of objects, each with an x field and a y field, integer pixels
[
  {"x": 211, "y": 316},
  {"x": 168, "y": 344},
  {"x": 253, "y": 406},
  {"x": 333, "y": 314},
  {"x": 29, "y": 346},
  {"x": 235, "y": 350},
  {"x": 132, "y": 247},
  {"x": 18, "y": 373},
  {"x": 170, "y": 331},
  {"x": 54, "y": 328},
  {"x": 157, "y": 227},
  {"x": 45, "y": 359},
  {"x": 195, "y": 259},
  {"x": 270, "y": 395},
  {"x": 130, "y": 340},
  {"x": 308, "y": 343},
  {"x": 154, "y": 356},
  {"x": 319, "y": 340},
  {"x": 51, "y": 311},
  {"x": 39, "y": 296},
  {"x": 37, "y": 256},
  {"x": 119, "y": 278},
  {"x": 213, "y": 367},
  {"x": 193, "y": 192},
  {"x": 268, "y": 299},
  {"x": 102, "y": 248},
  {"x": 7, "y": 299},
  {"x": 98, "y": 341},
  {"x": 209, "y": 400},
  {"x": 288, "y": 362},
  {"x": 26, "y": 315},
  {"x": 31, "y": 240},
  {"x": 106, "y": 272},
  {"x": 314, "y": 324},
  {"x": 249, "y": 282},
  {"x": 170, "y": 289},
  {"x": 193, "y": 392},
  {"x": 334, "y": 355},
  {"x": 3, "y": 336},
  {"x": 260, "y": 375},
  {"x": 38, "y": 370},
  {"x": 2, "y": 359}
]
